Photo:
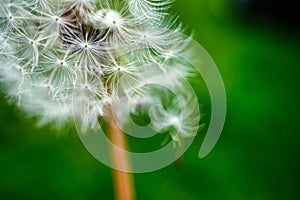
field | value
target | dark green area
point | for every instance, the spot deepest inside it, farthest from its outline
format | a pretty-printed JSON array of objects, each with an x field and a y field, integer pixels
[{"x": 256, "y": 158}]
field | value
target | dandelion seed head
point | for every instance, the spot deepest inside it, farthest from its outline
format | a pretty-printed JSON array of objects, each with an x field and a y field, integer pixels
[{"x": 56, "y": 52}]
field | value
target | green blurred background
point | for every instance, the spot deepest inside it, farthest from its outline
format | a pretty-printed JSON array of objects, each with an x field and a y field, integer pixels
[{"x": 257, "y": 156}]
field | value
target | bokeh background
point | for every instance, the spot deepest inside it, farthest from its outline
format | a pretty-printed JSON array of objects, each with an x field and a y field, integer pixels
[{"x": 255, "y": 44}]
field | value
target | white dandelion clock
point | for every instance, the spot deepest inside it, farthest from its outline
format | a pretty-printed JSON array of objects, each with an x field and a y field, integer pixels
[
  {"x": 56, "y": 52},
  {"x": 90, "y": 60}
]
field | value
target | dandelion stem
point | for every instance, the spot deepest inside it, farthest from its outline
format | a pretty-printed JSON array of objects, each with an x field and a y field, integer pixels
[{"x": 123, "y": 182}]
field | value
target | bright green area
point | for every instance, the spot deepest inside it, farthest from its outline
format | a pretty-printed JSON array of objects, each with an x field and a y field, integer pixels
[{"x": 257, "y": 157}]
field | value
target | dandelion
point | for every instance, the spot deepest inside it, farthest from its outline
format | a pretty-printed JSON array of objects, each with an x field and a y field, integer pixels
[{"x": 93, "y": 52}]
